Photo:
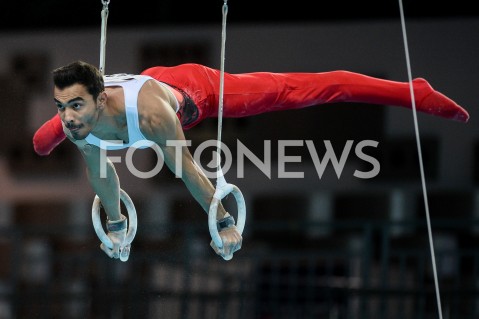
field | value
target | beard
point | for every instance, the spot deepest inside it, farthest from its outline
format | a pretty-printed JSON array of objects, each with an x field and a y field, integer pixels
[{"x": 79, "y": 135}]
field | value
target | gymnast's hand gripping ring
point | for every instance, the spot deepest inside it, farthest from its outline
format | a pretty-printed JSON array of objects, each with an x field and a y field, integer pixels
[
  {"x": 132, "y": 222},
  {"x": 219, "y": 194}
]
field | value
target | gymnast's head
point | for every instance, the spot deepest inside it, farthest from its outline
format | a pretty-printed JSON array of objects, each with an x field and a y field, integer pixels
[
  {"x": 80, "y": 97},
  {"x": 79, "y": 72}
]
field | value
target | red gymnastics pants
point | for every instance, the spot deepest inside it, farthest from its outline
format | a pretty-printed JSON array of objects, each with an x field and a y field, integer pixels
[{"x": 249, "y": 94}]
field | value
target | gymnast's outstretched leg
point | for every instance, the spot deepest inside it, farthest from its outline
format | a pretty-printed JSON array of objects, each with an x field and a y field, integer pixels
[
  {"x": 249, "y": 94},
  {"x": 270, "y": 92}
]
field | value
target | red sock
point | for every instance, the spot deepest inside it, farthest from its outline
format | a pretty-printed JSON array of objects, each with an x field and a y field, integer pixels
[
  {"x": 433, "y": 102},
  {"x": 48, "y": 136}
]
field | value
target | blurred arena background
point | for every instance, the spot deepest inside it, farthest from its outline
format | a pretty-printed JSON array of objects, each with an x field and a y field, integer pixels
[{"x": 330, "y": 247}]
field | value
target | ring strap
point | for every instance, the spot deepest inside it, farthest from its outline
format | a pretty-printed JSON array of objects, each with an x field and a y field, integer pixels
[
  {"x": 225, "y": 222},
  {"x": 117, "y": 225}
]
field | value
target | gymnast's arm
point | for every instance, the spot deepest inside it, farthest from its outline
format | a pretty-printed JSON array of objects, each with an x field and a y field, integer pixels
[
  {"x": 167, "y": 133},
  {"x": 161, "y": 125},
  {"x": 105, "y": 184}
]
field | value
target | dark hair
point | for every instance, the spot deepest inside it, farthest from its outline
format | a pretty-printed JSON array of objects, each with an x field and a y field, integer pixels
[{"x": 79, "y": 72}]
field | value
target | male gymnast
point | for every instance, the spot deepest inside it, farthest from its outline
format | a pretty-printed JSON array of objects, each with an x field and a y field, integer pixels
[{"x": 160, "y": 103}]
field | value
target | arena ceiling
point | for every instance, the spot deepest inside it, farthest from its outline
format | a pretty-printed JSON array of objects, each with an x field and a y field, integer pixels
[{"x": 66, "y": 14}]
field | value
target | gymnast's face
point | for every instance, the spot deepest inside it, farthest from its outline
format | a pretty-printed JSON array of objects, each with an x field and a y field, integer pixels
[{"x": 77, "y": 109}]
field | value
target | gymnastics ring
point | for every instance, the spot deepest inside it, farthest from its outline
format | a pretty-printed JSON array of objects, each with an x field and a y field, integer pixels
[
  {"x": 132, "y": 222},
  {"x": 219, "y": 194}
]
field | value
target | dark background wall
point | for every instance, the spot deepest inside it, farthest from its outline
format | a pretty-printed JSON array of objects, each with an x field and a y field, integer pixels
[{"x": 39, "y": 196}]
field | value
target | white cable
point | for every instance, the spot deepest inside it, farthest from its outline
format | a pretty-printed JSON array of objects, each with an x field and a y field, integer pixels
[
  {"x": 421, "y": 165},
  {"x": 219, "y": 172},
  {"x": 104, "y": 18},
  {"x": 222, "y": 187}
]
